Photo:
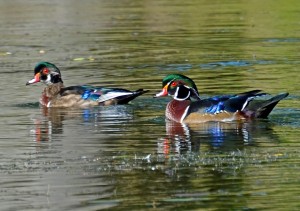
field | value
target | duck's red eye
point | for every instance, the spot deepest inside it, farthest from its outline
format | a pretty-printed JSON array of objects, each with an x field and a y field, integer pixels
[
  {"x": 45, "y": 71},
  {"x": 174, "y": 83}
]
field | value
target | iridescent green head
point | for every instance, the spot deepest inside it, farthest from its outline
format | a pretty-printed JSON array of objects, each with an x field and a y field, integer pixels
[
  {"x": 178, "y": 86},
  {"x": 47, "y": 73}
]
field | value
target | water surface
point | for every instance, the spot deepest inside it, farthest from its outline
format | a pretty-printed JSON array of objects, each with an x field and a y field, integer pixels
[{"x": 128, "y": 157}]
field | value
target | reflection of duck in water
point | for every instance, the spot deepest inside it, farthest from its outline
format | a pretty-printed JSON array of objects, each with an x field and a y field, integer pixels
[
  {"x": 177, "y": 139},
  {"x": 181, "y": 138},
  {"x": 51, "y": 121},
  {"x": 57, "y": 95},
  {"x": 235, "y": 107},
  {"x": 47, "y": 124}
]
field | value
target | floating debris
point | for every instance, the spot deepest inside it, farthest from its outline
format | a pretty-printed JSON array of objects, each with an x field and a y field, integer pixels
[
  {"x": 79, "y": 59},
  {"x": 5, "y": 53},
  {"x": 82, "y": 58}
]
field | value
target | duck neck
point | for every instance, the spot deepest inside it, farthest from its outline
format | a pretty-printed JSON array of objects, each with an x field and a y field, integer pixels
[
  {"x": 177, "y": 109},
  {"x": 55, "y": 79},
  {"x": 53, "y": 90}
]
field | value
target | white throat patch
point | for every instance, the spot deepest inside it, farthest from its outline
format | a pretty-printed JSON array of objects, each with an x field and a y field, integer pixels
[
  {"x": 181, "y": 99},
  {"x": 48, "y": 80}
]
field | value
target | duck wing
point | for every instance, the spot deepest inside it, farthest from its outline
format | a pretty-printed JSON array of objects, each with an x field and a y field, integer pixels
[{"x": 102, "y": 94}]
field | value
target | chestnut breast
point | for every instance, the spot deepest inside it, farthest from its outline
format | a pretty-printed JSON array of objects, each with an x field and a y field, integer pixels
[{"x": 177, "y": 109}]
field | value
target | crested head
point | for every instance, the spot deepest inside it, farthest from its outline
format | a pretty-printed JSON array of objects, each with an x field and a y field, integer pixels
[
  {"x": 47, "y": 73},
  {"x": 41, "y": 65},
  {"x": 180, "y": 87},
  {"x": 179, "y": 77}
]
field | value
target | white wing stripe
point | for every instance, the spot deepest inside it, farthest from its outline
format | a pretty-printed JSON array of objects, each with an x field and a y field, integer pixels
[{"x": 112, "y": 95}]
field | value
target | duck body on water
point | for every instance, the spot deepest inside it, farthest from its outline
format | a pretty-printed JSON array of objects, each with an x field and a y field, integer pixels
[
  {"x": 188, "y": 107},
  {"x": 55, "y": 94}
]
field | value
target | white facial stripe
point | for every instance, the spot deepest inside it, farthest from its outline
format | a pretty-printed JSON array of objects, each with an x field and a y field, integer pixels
[
  {"x": 181, "y": 99},
  {"x": 176, "y": 93},
  {"x": 189, "y": 92},
  {"x": 196, "y": 93},
  {"x": 48, "y": 80}
]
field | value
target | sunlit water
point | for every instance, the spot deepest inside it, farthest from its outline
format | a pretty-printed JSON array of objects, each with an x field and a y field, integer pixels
[{"x": 128, "y": 157}]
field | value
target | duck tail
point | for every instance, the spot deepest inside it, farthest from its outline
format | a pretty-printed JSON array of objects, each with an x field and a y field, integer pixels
[
  {"x": 127, "y": 98},
  {"x": 262, "y": 109}
]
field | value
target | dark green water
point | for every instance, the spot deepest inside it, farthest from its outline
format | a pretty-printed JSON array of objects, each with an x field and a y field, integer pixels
[{"x": 128, "y": 157}]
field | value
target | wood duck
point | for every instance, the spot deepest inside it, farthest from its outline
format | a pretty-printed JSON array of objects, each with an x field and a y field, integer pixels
[
  {"x": 188, "y": 107},
  {"x": 55, "y": 94}
]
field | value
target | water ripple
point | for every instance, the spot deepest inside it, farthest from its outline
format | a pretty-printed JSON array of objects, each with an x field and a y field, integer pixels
[
  {"x": 277, "y": 40},
  {"x": 240, "y": 63},
  {"x": 217, "y": 64}
]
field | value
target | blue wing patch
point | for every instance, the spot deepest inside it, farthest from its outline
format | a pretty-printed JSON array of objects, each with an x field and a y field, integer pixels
[
  {"x": 215, "y": 108},
  {"x": 86, "y": 94},
  {"x": 90, "y": 94}
]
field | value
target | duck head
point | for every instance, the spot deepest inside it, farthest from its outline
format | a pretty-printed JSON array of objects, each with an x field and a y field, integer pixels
[
  {"x": 47, "y": 73},
  {"x": 179, "y": 87}
]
